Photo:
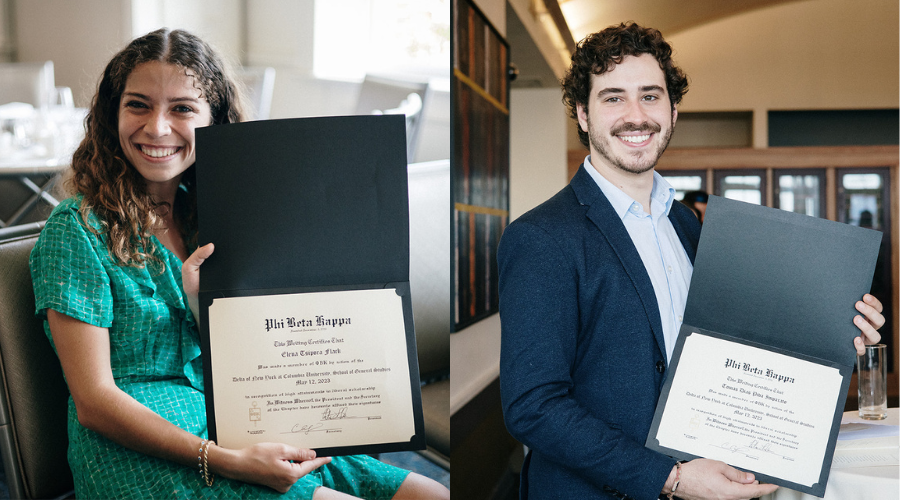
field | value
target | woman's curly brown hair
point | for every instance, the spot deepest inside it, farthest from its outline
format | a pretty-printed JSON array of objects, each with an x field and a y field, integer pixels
[
  {"x": 111, "y": 187},
  {"x": 597, "y": 54}
]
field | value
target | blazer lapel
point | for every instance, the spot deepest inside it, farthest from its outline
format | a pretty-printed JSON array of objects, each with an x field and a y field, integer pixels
[
  {"x": 601, "y": 213},
  {"x": 690, "y": 247}
]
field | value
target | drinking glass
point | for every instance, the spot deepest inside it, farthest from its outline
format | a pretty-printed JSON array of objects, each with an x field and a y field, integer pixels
[{"x": 872, "y": 370}]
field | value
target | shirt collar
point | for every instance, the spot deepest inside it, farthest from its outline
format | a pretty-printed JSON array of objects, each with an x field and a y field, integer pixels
[{"x": 661, "y": 197}]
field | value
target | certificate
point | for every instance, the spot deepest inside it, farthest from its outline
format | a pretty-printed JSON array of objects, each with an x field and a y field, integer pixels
[
  {"x": 306, "y": 322},
  {"x": 760, "y": 372},
  {"x": 313, "y": 370},
  {"x": 750, "y": 407}
]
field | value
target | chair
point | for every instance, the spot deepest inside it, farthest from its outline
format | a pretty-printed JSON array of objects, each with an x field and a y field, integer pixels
[
  {"x": 429, "y": 281},
  {"x": 436, "y": 412},
  {"x": 31, "y": 83},
  {"x": 34, "y": 400},
  {"x": 378, "y": 95},
  {"x": 259, "y": 82}
]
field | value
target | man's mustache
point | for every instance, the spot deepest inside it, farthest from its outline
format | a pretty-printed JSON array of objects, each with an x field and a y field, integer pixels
[{"x": 633, "y": 127}]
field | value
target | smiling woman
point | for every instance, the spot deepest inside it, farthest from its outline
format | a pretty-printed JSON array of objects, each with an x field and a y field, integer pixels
[
  {"x": 163, "y": 65},
  {"x": 160, "y": 109},
  {"x": 114, "y": 283}
]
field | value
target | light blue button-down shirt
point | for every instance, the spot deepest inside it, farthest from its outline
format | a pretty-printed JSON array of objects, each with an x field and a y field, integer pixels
[{"x": 657, "y": 243}]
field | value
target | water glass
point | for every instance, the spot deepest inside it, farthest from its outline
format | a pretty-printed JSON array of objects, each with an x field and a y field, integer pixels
[{"x": 872, "y": 376}]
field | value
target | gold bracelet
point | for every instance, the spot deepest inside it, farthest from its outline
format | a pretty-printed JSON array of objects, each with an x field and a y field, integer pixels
[
  {"x": 677, "y": 480},
  {"x": 203, "y": 462}
]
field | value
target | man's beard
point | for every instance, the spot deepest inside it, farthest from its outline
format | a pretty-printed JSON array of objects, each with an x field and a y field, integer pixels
[{"x": 641, "y": 165}]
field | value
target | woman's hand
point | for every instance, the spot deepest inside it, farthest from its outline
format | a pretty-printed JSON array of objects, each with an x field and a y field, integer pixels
[
  {"x": 104, "y": 408},
  {"x": 190, "y": 277},
  {"x": 275, "y": 465},
  {"x": 871, "y": 321}
]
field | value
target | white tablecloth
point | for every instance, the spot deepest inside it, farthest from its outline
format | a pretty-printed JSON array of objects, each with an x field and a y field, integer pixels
[{"x": 858, "y": 483}]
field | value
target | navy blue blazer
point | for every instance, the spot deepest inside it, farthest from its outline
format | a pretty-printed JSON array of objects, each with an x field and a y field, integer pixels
[{"x": 583, "y": 356}]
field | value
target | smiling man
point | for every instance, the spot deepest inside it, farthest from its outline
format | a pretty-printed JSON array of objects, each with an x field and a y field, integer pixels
[{"x": 593, "y": 283}]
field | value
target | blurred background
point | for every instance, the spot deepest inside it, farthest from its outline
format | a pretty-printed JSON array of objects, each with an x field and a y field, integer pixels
[
  {"x": 793, "y": 104},
  {"x": 296, "y": 58}
]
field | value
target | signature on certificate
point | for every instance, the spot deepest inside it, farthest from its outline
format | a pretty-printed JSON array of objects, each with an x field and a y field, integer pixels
[
  {"x": 334, "y": 415},
  {"x": 738, "y": 449},
  {"x": 749, "y": 449},
  {"x": 341, "y": 414},
  {"x": 328, "y": 415},
  {"x": 307, "y": 428}
]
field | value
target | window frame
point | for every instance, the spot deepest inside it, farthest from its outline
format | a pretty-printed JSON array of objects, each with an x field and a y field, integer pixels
[
  {"x": 720, "y": 174},
  {"x": 818, "y": 172}
]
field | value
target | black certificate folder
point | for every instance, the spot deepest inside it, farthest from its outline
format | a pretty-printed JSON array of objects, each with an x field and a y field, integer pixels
[
  {"x": 306, "y": 317},
  {"x": 761, "y": 369}
]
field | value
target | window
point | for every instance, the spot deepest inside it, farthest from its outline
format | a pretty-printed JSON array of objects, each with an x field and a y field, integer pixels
[
  {"x": 748, "y": 186},
  {"x": 800, "y": 192},
  {"x": 387, "y": 37},
  {"x": 685, "y": 180},
  {"x": 862, "y": 200}
]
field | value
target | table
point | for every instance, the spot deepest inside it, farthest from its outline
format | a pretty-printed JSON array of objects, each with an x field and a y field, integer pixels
[
  {"x": 20, "y": 171},
  {"x": 858, "y": 483},
  {"x": 34, "y": 142}
]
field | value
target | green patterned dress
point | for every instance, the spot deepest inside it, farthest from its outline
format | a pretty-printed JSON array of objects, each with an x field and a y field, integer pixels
[{"x": 155, "y": 358}]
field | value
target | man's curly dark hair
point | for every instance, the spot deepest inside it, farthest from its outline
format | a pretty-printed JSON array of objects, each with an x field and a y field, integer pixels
[{"x": 599, "y": 52}]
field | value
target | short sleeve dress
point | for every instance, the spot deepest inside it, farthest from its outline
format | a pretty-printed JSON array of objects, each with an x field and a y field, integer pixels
[{"x": 155, "y": 358}]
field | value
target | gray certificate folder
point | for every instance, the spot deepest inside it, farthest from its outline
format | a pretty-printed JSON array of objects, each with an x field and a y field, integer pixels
[
  {"x": 306, "y": 205},
  {"x": 781, "y": 279},
  {"x": 783, "y": 282}
]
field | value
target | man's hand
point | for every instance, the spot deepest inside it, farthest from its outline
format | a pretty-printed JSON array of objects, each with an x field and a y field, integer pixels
[
  {"x": 705, "y": 479},
  {"x": 871, "y": 321}
]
